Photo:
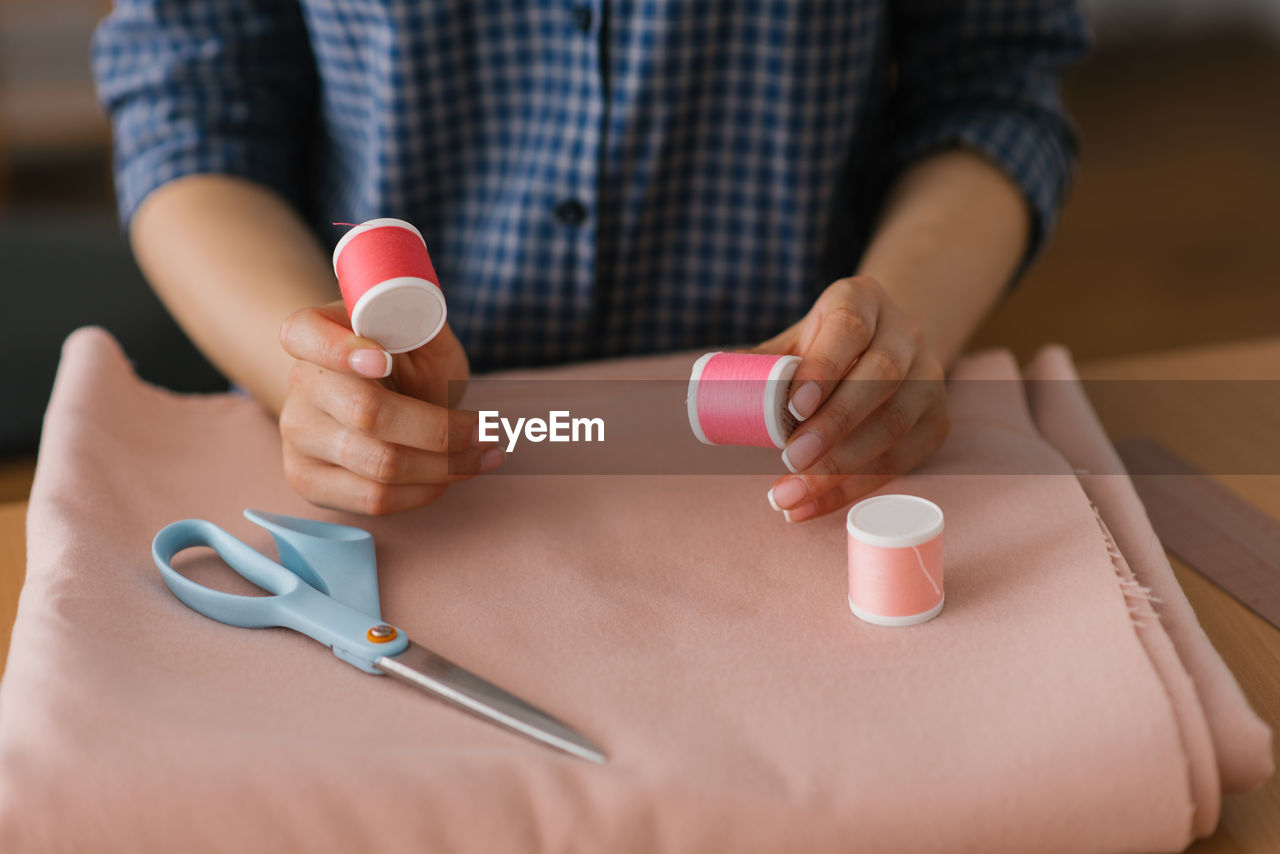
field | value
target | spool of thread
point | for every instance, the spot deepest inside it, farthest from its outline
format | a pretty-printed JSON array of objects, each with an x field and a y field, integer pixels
[
  {"x": 389, "y": 285},
  {"x": 741, "y": 399},
  {"x": 895, "y": 560}
]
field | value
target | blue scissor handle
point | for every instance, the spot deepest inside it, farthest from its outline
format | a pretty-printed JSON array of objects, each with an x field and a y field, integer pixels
[
  {"x": 294, "y": 604},
  {"x": 334, "y": 559}
]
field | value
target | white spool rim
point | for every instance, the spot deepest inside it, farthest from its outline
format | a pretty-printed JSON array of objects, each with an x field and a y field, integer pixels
[
  {"x": 775, "y": 402},
  {"x": 691, "y": 397},
  {"x": 895, "y": 622},
  {"x": 370, "y": 225},
  {"x": 914, "y": 520},
  {"x": 403, "y": 289}
]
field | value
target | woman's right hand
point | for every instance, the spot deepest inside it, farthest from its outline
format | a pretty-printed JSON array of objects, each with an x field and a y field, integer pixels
[{"x": 369, "y": 432}]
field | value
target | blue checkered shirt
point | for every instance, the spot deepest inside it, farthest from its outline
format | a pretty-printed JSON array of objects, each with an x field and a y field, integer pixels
[{"x": 594, "y": 178}]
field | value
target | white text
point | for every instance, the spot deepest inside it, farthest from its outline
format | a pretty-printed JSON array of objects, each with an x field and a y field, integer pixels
[{"x": 559, "y": 426}]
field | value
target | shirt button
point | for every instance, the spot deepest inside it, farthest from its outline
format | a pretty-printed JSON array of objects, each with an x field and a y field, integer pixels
[
  {"x": 582, "y": 18},
  {"x": 571, "y": 212}
]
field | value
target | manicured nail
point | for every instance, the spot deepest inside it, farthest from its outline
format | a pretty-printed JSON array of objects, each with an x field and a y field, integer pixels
[
  {"x": 375, "y": 364},
  {"x": 799, "y": 514},
  {"x": 491, "y": 459},
  {"x": 801, "y": 453},
  {"x": 788, "y": 493},
  {"x": 805, "y": 401}
]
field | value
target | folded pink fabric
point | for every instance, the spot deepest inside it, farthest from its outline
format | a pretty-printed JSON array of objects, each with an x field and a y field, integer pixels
[
  {"x": 1241, "y": 743},
  {"x": 705, "y": 644}
]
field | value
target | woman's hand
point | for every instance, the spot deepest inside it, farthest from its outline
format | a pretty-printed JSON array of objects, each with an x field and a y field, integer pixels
[
  {"x": 869, "y": 396},
  {"x": 369, "y": 432}
]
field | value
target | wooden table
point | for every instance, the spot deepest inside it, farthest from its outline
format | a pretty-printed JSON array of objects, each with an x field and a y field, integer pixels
[
  {"x": 1251, "y": 647},
  {"x": 13, "y": 568}
]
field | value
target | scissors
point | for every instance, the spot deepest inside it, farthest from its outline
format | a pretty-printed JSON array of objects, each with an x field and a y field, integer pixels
[{"x": 326, "y": 587}]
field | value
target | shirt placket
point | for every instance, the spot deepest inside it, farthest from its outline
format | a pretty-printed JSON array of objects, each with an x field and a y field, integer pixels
[{"x": 576, "y": 205}]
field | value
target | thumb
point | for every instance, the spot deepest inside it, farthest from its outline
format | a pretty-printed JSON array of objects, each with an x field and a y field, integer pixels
[{"x": 322, "y": 336}]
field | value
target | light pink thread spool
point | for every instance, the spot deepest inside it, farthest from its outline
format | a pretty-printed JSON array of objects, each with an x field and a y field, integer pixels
[
  {"x": 741, "y": 399},
  {"x": 389, "y": 284},
  {"x": 895, "y": 560}
]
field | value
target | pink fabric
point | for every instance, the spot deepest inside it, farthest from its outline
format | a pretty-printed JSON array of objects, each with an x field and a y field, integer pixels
[
  {"x": 1241, "y": 742},
  {"x": 678, "y": 622}
]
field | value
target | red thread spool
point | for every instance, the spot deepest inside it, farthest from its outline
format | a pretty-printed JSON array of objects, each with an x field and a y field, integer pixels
[
  {"x": 895, "y": 560},
  {"x": 389, "y": 285},
  {"x": 741, "y": 399}
]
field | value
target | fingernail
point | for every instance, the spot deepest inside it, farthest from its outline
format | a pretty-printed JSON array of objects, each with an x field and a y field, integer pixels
[
  {"x": 805, "y": 401},
  {"x": 491, "y": 459},
  {"x": 790, "y": 491},
  {"x": 801, "y": 453},
  {"x": 799, "y": 514},
  {"x": 375, "y": 364}
]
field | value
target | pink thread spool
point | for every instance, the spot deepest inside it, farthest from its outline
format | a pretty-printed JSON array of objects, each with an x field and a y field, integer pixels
[
  {"x": 741, "y": 399},
  {"x": 389, "y": 285},
  {"x": 895, "y": 560}
]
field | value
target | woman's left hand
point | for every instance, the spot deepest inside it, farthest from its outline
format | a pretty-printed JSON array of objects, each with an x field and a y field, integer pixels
[{"x": 869, "y": 395}]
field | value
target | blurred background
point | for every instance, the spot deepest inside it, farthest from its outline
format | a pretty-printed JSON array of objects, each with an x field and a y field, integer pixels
[{"x": 1171, "y": 238}]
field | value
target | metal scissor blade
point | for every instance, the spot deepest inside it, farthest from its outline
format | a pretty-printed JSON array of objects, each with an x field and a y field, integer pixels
[{"x": 442, "y": 678}]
